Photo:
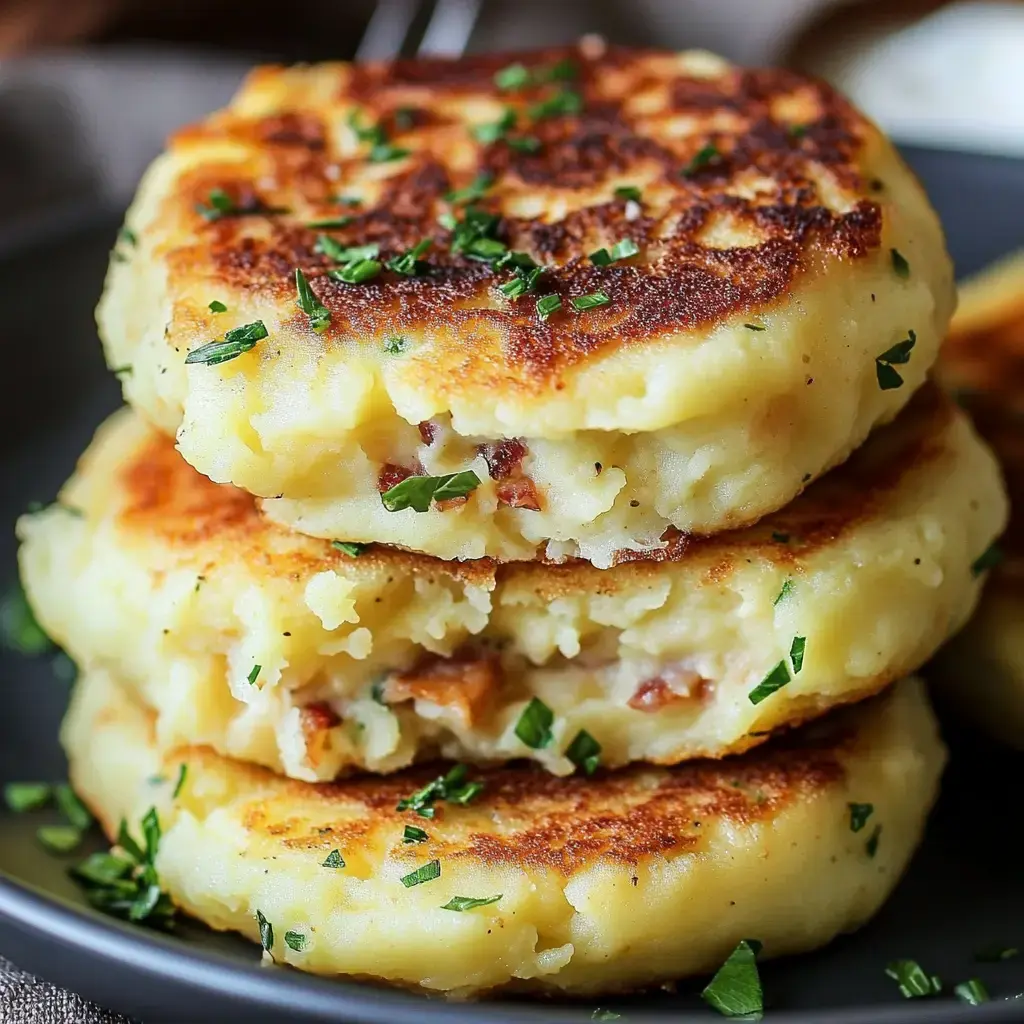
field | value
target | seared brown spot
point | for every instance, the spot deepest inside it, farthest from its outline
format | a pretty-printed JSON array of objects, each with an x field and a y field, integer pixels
[
  {"x": 678, "y": 283},
  {"x": 674, "y": 686},
  {"x": 468, "y": 684}
]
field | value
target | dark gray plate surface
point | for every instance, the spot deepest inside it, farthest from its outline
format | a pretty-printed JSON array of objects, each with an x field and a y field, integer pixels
[{"x": 964, "y": 892}]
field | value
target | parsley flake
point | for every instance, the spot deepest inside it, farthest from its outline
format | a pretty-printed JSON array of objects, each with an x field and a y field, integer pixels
[
  {"x": 628, "y": 192},
  {"x": 912, "y": 980},
  {"x": 234, "y": 344},
  {"x": 295, "y": 941},
  {"x": 218, "y": 204},
  {"x": 333, "y": 860},
  {"x": 27, "y": 796},
  {"x": 584, "y": 752},
  {"x": 526, "y": 272},
  {"x": 59, "y": 838},
  {"x": 885, "y": 364},
  {"x": 417, "y": 492},
  {"x": 972, "y": 992},
  {"x": 354, "y": 550},
  {"x": 859, "y": 814},
  {"x": 900, "y": 264},
  {"x": 523, "y": 143},
  {"x": 704, "y": 157},
  {"x": 409, "y": 263},
  {"x": 127, "y": 236},
  {"x": 330, "y": 223},
  {"x": 319, "y": 315},
  {"x": 776, "y": 679},
  {"x": 72, "y": 807},
  {"x": 494, "y": 131},
  {"x": 735, "y": 990},
  {"x": 871, "y": 846},
  {"x": 266, "y": 932},
  {"x": 474, "y": 235},
  {"x": 395, "y": 344},
  {"x": 796, "y": 653},
  {"x": 996, "y": 954},
  {"x": 548, "y": 304},
  {"x": 988, "y": 559},
  {"x": 179, "y": 783},
  {"x": 334, "y": 250},
  {"x": 475, "y": 190},
  {"x": 19, "y": 630},
  {"x": 513, "y": 76},
  {"x": 565, "y": 102},
  {"x": 254, "y": 674},
  {"x": 788, "y": 586},
  {"x": 357, "y": 272},
  {"x": 452, "y": 787},
  {"x": 461, "y": 903},
  {"x": 621, "y": 250},
  {"x": 413, "y": 834},
  {"x": 534, "y": 725},
  {"x": 217, "y": 307},
  {"x": 426, "y": 873},
  {"x": 591, "y": 301},
  {"x": 755, "y": 327}
]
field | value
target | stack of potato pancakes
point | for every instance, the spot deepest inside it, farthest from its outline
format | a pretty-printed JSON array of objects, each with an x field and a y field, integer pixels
[{"x": 518, "y": 449}]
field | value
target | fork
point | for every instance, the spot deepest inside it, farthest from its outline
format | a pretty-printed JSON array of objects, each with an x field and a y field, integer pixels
[{"x": 392, "y": 29}]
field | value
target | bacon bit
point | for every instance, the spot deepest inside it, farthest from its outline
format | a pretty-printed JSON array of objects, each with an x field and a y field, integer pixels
[
  {"x": 316, "y": 722},
  {"x": 449, "y": 503},
  {"x": 390, "y": 475},
  {"x": 428, "y": 431},
  {"x": 673, "y": 686},
  {"x": 519, "y": 493},
  {"x": 467, "y": 683},
  {"x": 293, "y": 130},
  {"x": 503, "y": 458}
]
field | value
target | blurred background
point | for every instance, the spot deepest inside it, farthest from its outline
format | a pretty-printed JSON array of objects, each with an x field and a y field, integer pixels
[{"x": 90, "y": 88}]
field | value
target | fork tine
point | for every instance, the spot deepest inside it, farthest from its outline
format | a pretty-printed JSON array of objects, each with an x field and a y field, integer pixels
[
  {"x": 387, "y": 30},
  {"x": 450, "y": 28}
]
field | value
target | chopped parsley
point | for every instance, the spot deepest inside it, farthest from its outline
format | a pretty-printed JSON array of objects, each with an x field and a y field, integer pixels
[
  {"x": 629, "y": 192},
  {"x": 621, "y": 250},
  {"x": 414, "y": 834},
  {"x": 584, "y": 752},
  {"x": 254, "y": 674},
  {"x": 127, "y": 236},
  {"x": 564, "y": 102},
  {"x": 972, "y": 992},
  {"x": 518, "y": 76},
  {"x": 319, "y": 315},
  {"x": 493, "y": 131},
  {"x": 77, "y": 814},
  {"x": 235, "y": 342},
  {"x": 333, "y": 860},
  {"x": 218, "y": 204},
  {"x": 788, "y": 586},
  {"x": 330, "y": 223},
  {"x": 461, "y": 903},
  {"x": 704, "y": 157},
  {"x": 534, "y": 725},
  {"x": 475, "y": 190},
  {"x": 417, "y": 492},
  {"x": 295, "y": 941},
  {"x": 900, "y": 264},
  {"x": 526, "y": 272},
  {"x": 266, "y": 932},
  {"x": 735, "y": 990},
  {"x": 27, "y": 796},
  {"x": 513, "y": 76},
  {"x": 19, "y": 630},
  {"x": 523, "y": 143},
  {"x": 755, "y": 327},
  {"x": 913, "y": 981},
  {"x": 381, "y": 150},
  {"x": 124, "y": 881},
  {"x": 797, "y": 131},
  {"x": 474, "y": 235},
  {"x": 988, "y": 559},
  {"x": 591, "y": 301},
  {"x": 334, "y": 250},
  {"x": 409, "y": 263},
  {"x": 395, "y": 344},
  {"x": 59, "y": 838},
  {"x": 776, "y": 679},
  {"x": 217, "y": 307},
  {"x": 796, "y": 653},
  {"x": 357, "y": 272},
  {"x": 426, "y": 873},
  {"x": 355, "y": 550},
  {"x": 996, "y": 954},
  {"x": 871, "y": 846},
  {"x": 548, "y": 304},
  {"x": 179, "y": 783},
  {"x": 885, "y": 364},
  {"x": 859, "y": 814},
  {"x": 452, "y": 787}
]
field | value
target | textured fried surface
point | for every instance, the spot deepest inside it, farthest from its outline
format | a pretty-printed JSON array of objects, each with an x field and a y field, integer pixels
[
  {"x": 766, "y": 202},
  {"x": 983, "y": 359},
  {"x": 616, "y": 882},
  {"x": 182, "y": 587}
]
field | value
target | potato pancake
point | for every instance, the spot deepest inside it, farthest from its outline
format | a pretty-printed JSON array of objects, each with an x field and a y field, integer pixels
[
  {"x": 983, "y": 359},
  {"x": 316, "y": 658},
  {"x": 576, "y": 885},
  {"x": 558, "y": 302}
]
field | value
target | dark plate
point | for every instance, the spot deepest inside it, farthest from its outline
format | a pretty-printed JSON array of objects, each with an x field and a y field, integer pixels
[{"x": 964, "y": 892}]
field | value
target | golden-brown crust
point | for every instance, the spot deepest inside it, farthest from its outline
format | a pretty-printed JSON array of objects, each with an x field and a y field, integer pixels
[
  {"x": 561, "y": 823},
  {"x": 164, "y": 501},
  {"x": 776, "y": 137}
]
